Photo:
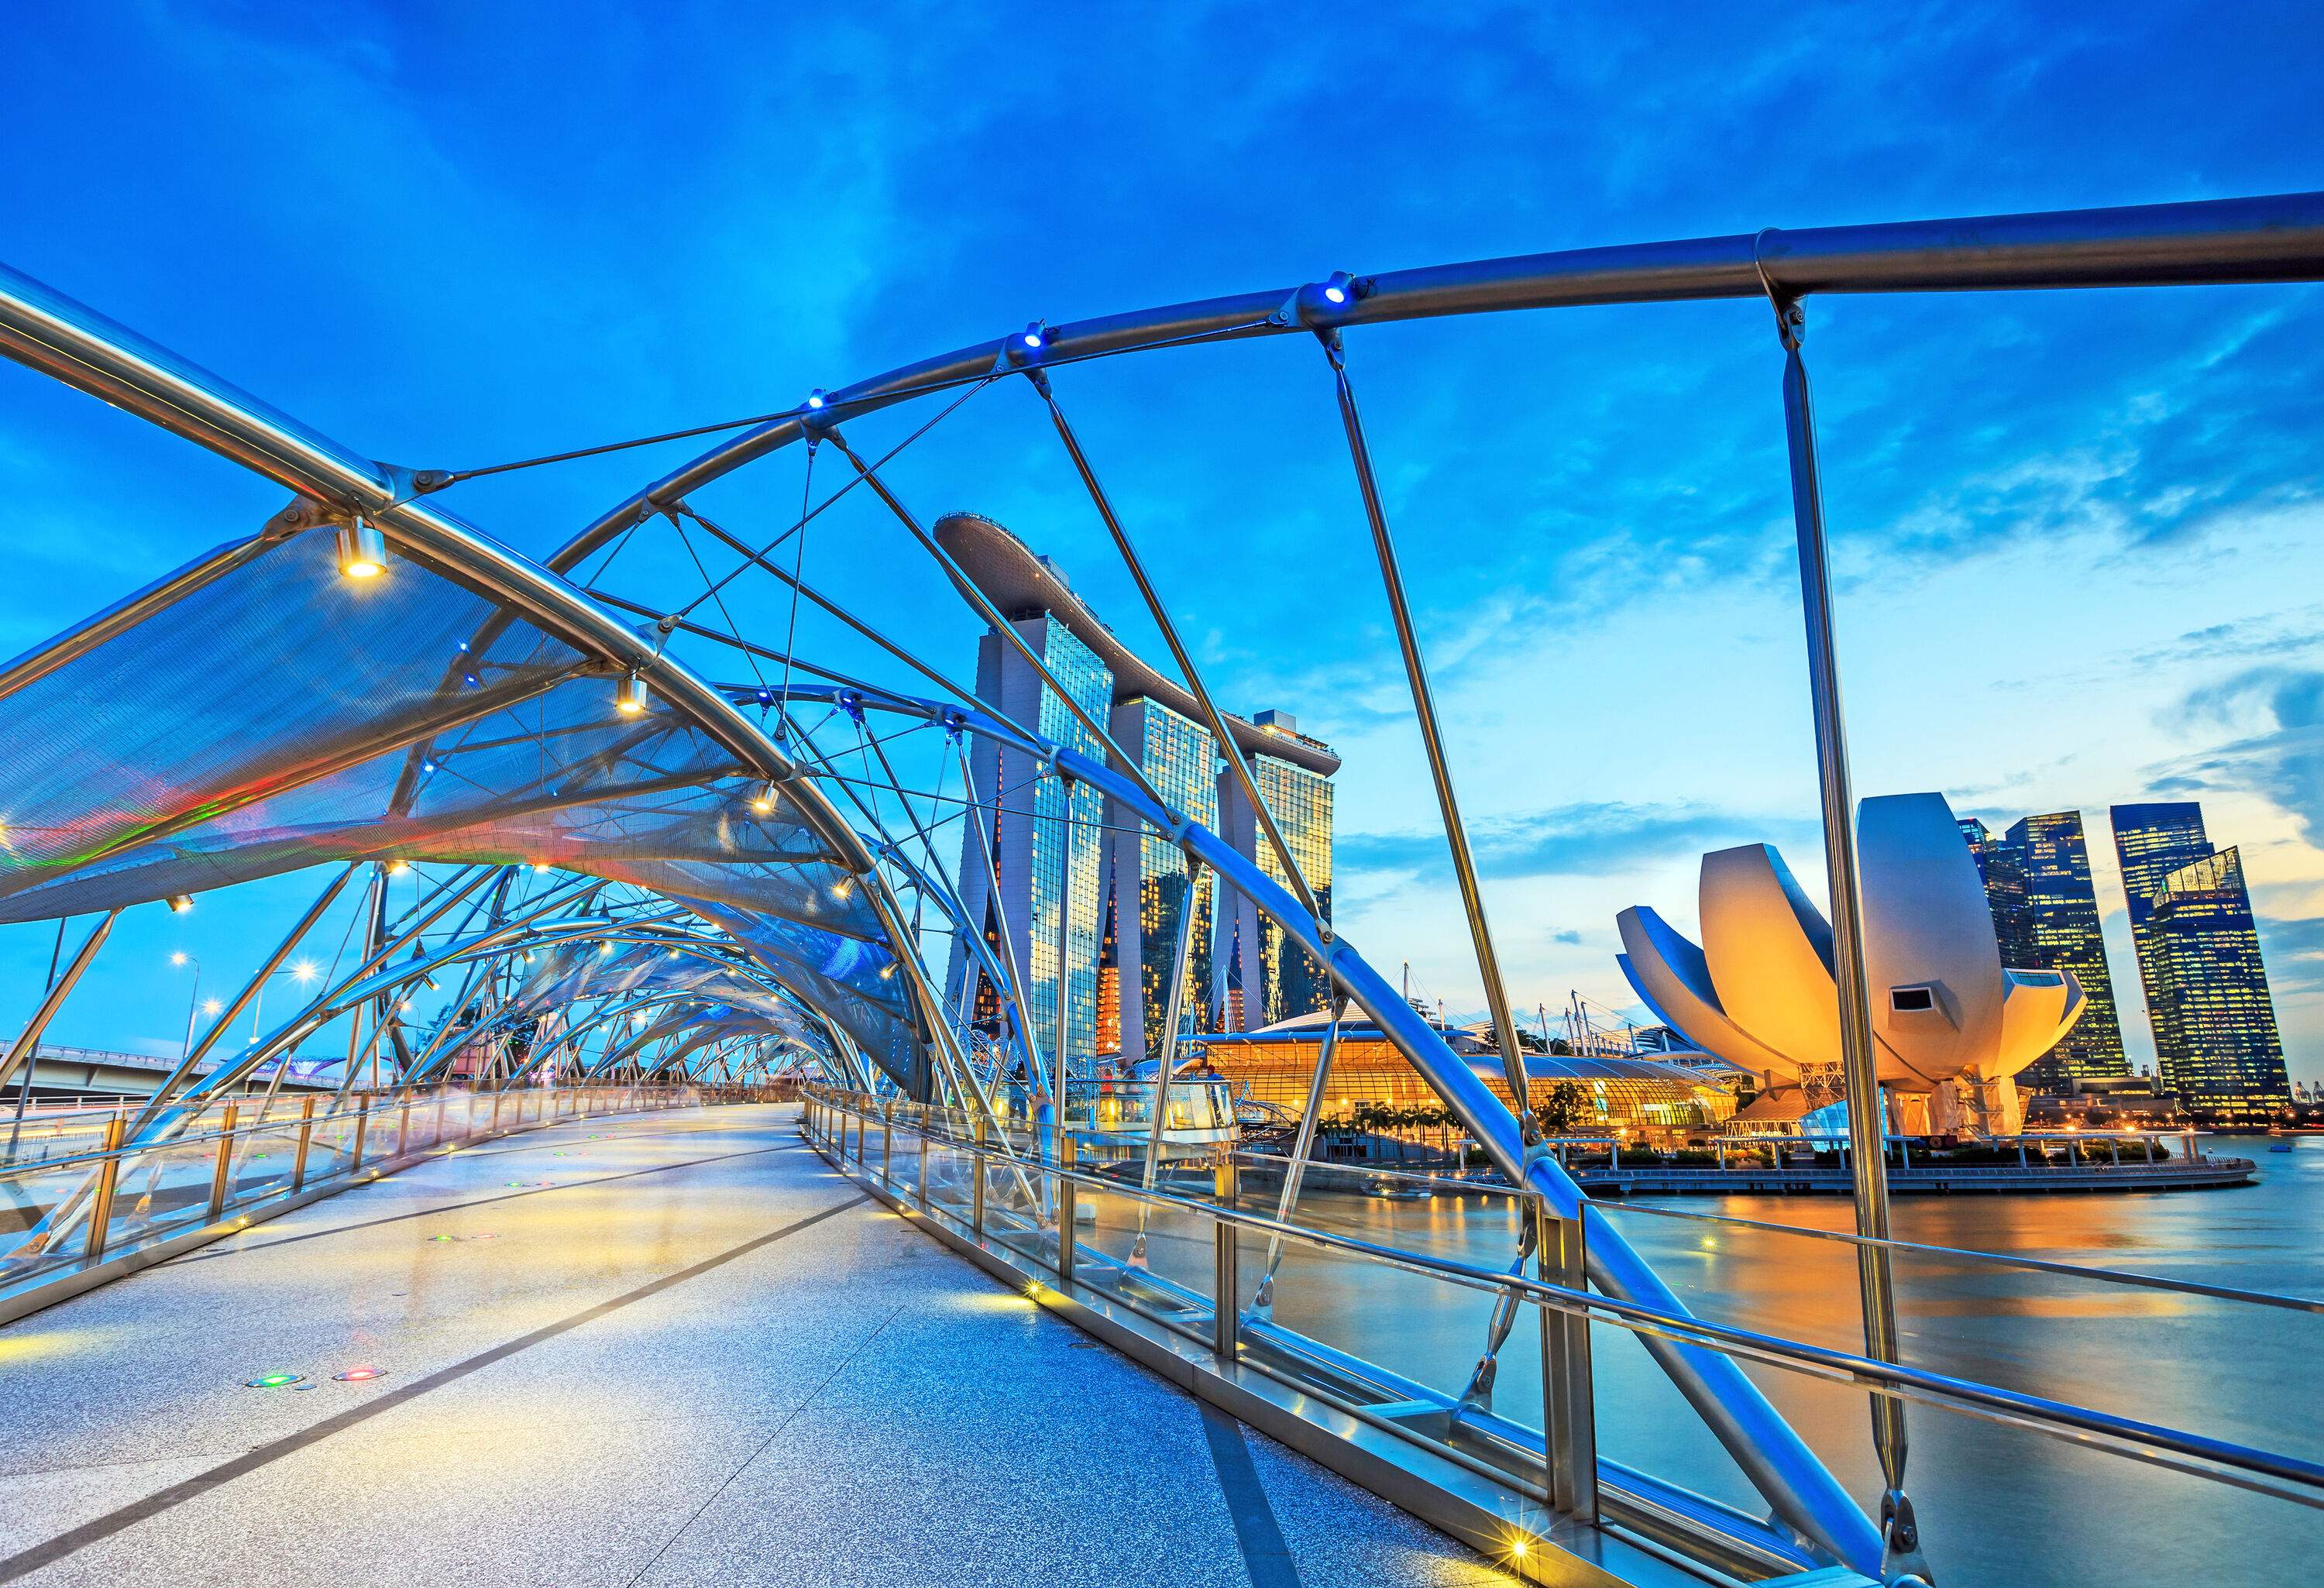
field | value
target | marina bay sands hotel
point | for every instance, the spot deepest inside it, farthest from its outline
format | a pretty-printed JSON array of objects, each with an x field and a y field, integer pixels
[{"x": 1129, "y": 888}]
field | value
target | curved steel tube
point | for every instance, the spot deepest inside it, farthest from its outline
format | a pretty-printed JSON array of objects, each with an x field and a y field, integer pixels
[
  {"x": 1795, "y": 1482},
  {"x": 2209, "y": 243},
  {"x": 48, "y": 331}
]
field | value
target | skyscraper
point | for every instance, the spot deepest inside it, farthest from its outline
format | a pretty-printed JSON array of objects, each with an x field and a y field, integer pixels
[
  {"x": 1178, "y": 757},
  {"x": 1277, "y": 978},
  {"x": 2001, "y": 868},
  {"x": 2046, "y": 917},
  {"x": 1025, "y": 842},
  {"x": 1131, "y": 890},
  {"x": 2216, "y": 1040}
]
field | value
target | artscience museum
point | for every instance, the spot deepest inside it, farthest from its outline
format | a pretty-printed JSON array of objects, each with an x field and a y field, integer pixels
[{"x": 1952, "y": 1024}]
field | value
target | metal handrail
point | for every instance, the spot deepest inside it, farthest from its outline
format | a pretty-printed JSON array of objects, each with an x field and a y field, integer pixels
[
  {"x": 2170, "y": 1447},
  {"x": 288, "y": 1122},
  {"x": 1602, "y": 1208}
]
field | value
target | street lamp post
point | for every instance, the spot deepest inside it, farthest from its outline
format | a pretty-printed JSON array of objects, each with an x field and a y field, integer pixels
[
  {"x": 301, "y": 972},
  {"x": 193, "y": 1000}
]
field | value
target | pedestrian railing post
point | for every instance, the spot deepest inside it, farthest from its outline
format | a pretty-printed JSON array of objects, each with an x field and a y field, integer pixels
[
  {"x": 1568, "y": 1400},
  {"x": 363, "y": 1124},
  {"x": 108, "y": 1175},
  {"x": 976, "y": 1189},
  {"x": 306, "y": 1140},
  {"x": 222, "y": 1164},
  {"x": 886, "y": 1140},
  {"x": 1227, "y": 1281},
  {"x": 1066, "y": 1209},
  {"x": 403, "y": 1127},
  {"x": 924, "y": 1160}
]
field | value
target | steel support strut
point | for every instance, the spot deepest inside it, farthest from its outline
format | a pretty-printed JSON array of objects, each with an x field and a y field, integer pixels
[
  {"x": 1431, "y": 734},
  {"x": 1901, "y": 1558}
]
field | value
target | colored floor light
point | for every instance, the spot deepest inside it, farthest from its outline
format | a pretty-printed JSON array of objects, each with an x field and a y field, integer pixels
[
  {"x": 273, "y": 1382},
  {"x": 360, "y": 1375}
]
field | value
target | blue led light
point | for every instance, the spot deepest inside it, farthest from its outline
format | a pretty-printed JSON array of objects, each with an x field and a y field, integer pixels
[
  {"x": 469, "y": 679},
  {"x": 1335, "y": 294},
  {"x": 815, "y": 399},
  {"x": 427, "y": 766}
]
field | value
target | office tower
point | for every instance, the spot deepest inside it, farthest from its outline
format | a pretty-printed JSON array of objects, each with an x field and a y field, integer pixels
[
  {"x": 2046, "y": 917},
  {"x": 1131, "y": 884},
  {"x": 1275, "y": 977},
  {"x": 2216, "y": 1040},
  {"x": 2001, "y": 868},
  {"x": 2052, "y": 860}
]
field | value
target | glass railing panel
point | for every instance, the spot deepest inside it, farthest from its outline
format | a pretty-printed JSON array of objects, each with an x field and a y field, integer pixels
[
  {"x": 27, "y": 1198},
  {"x": 1019, "y": 1211},
  {"x": 1153, "y": 1256},
  {"x": 163, "y": 1189},
  {"x": 262, "y": 1163},
  {"x": 1423, "y": 1333}
]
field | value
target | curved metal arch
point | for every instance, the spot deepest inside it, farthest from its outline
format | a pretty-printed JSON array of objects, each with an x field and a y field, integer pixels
[
  {"x": 2210, "y": 241},
  {"x": 50, "y": 332}
]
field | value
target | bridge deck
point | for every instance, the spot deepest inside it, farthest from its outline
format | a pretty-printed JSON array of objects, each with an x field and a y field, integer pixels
[{"x": 666, "y": 1350}]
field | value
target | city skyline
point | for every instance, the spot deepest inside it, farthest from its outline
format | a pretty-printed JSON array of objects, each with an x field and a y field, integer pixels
[{"x": 2109, "y": 585}]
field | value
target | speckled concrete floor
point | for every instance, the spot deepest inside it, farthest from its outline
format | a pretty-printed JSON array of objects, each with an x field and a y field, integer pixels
[{"x": 666, "y": 1350}]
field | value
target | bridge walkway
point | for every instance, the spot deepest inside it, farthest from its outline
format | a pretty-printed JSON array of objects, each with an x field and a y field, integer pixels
[{"x": 638, "y": 1353}]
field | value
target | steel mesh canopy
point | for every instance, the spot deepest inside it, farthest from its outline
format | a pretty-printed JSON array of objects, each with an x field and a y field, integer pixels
[{"x": 278, "y": 716}]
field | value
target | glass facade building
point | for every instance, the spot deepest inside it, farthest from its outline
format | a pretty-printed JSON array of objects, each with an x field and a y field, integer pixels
[
  {"x": 2053, "y": 858},
  {"x": 1130, "y": 888},
  {"x": 1025, "y": 844},
  {"x": 1077, "y": 668},
  {"x": 2045, "y": 918},
  {"x": 1179, "y": 759},
  {"x": 2001, "y": 868},
  {"x": 2216, "y": 1040},
  {"x": 1290, "y": 981}
]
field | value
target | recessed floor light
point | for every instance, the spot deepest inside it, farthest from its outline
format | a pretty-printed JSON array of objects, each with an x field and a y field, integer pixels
[
  {"x": 360, "y": 1375},
  {"x": 273, "y": 1382}
]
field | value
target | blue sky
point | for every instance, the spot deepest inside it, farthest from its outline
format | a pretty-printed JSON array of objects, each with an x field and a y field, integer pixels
[{"x": 2078, "y": 536}]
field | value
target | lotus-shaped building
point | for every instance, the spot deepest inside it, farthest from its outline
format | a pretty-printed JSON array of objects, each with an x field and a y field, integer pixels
[{"x": 1951, "y": 1025}]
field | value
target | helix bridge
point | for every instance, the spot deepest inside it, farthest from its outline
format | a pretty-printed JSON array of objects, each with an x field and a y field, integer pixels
[{"x": 599, "y": 845}]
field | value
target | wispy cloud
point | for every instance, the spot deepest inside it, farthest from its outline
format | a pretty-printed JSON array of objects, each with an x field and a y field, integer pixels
[{"x": 1601, "y": 839}]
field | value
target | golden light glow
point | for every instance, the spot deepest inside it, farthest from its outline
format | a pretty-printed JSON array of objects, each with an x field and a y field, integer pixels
[
  {"x": 398, "y": 866},
  {"x": 181, "y": 902},
  {"x": 630, "y": 696},
  {"x": 362, "y": 551}
]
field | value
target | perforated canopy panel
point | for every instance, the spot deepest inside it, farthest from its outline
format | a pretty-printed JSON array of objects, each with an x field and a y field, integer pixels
[{"x": 281, "y": 716}]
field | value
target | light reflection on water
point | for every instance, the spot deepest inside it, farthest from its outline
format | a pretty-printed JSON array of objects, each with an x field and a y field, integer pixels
[{"x": 1998, "y": 1505}]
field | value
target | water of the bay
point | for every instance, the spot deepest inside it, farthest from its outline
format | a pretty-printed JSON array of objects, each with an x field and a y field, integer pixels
[{"x": 1998, "y": 1505}]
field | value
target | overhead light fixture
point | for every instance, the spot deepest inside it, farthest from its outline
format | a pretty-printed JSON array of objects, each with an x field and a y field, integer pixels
[
  {"x": 815, "y": 399},
  {"x": 181, "y": 902},
  {"x": 629, "y": 695},
  {"x": 397, "y": 866},
  {"x": 1037, "y": 336},
  {"x": 763, "y": 801},
  {"x": 362, "y": 550}
]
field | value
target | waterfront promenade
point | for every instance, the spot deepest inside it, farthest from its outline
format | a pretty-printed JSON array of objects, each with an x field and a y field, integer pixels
[{"x": 659, "y": 1349}]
